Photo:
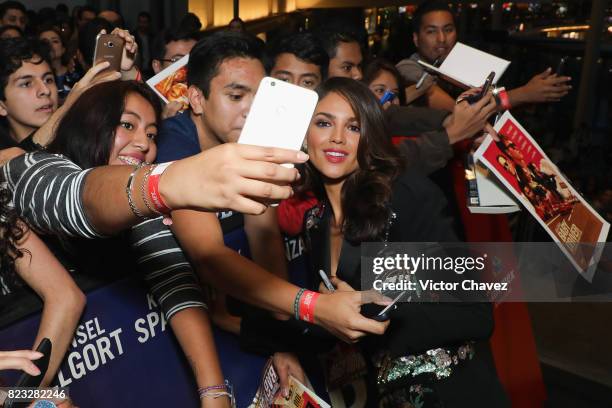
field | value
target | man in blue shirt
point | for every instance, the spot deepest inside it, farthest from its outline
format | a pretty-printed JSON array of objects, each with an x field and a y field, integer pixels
[{"x": 224, "y": 72}]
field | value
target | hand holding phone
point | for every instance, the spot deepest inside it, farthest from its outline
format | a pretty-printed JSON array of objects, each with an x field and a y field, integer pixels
[
  {"x": 33, "y": 381},
  {"x": 561, "y": 66},
  {"x": 279, "y": 116},
  {"x": 384, "y": 314},
  {"x": 27, "y": 380},
  {"x": 472, "y": 99},
  {"x": 421, "y": 80},
  {"x": 109, "y": 47}
]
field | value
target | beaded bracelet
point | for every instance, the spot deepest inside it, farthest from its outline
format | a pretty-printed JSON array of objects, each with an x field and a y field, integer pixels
[
  {"x": 296, "y": 303},
  {"x": 215, "y": 394},
  {"x": 216, "y": 391},
  {"x": 128, "y": 190}
]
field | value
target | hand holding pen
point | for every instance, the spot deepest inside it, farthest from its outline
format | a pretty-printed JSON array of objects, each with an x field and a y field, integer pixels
[
  {"x": 330, "y": 285},
  {"x": 326, "y": 282},
  {"x": 421, "y": 80}
]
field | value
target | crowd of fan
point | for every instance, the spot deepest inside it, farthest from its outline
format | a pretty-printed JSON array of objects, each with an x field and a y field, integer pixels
[{"x": 74, "y": 135}]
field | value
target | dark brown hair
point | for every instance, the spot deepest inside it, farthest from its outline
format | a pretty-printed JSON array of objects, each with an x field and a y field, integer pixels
[
  {"x": 86, "y": 133},
  {"x": 375, "y": 67},
  {"x": 11, "y": 232},
  {"x": 367, "y": 192}
]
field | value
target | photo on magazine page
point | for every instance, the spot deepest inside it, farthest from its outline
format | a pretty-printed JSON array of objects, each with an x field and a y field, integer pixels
[
  {"x": 171, "y": 83},
  {"x": 523, "y": 167}
]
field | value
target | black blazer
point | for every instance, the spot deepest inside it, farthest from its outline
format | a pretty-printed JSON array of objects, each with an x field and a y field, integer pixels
[{"x": 420, "y": 209}]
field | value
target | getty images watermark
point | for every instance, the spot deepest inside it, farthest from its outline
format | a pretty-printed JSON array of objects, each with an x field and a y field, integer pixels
[
  {"x": 396, "y": 272},
  {"x": 486, "y": 272}
]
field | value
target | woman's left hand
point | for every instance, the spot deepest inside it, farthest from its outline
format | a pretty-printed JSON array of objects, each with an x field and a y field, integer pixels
[{"x": 287, "y": 364}]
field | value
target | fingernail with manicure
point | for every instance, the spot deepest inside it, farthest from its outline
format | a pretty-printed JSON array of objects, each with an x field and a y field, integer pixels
[{"x": 302, "y": 156}]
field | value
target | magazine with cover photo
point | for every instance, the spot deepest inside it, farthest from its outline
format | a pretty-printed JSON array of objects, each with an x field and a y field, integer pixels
[
  {"x": 526, "y": 171},
  {"x": 170, "y": 84},
  {"x": 268, "y": 388},
  {"x": 268, "y": 394},
  {"x": 300, "y": 396}
]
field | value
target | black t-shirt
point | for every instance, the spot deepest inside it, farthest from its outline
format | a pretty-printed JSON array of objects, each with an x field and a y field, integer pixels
[{"x": 26, "y": 144}]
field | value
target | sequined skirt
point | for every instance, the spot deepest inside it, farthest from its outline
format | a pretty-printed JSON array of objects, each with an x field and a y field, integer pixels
[{"x": 406, "y": 382}]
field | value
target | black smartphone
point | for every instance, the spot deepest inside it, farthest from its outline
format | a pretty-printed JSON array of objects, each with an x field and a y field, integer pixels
[
  {"x": 33, "y": 381},
  {"x": 471, "y": 99},
  {"x": 381, "y": 314},
  {"x": 561, "y": 66},
  {"x": 375, "y": 312}
]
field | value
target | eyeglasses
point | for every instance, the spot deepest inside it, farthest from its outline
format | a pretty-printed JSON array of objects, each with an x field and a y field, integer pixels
[{"x": 173, "y": 59}]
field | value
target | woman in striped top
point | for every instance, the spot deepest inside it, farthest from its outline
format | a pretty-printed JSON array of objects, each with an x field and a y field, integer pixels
[{"x": 116, "y": 123}]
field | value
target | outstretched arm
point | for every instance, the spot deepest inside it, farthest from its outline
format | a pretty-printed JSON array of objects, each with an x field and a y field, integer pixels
[
  {"x": 57, "y": 196},
  {"x": 63, "y": 301},
  {"x": 236, "y": 275},
  {"x": 541, "y": 88}
]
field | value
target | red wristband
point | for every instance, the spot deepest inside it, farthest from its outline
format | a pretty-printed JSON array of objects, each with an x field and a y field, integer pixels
[
  {"x": 156, "y": 198},
  {"x": 504, "y": 100},
  {"x": 138, "y": 76},
  {"x": 307, "y": 305}
]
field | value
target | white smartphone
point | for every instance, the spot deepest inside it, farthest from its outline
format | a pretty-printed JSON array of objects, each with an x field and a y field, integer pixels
[{"x": 280, "y": 115}]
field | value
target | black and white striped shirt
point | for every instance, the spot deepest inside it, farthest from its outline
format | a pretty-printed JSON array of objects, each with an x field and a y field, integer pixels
[{"x": 47, "y": 192}]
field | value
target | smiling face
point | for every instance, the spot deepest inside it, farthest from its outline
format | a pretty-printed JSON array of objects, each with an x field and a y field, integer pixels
[
  {"x": 30, "y": 98},
  {"x": 333, "y": 138},
  {"x": 383, "y": 82},
  {"x": 436, "y": 36},
  {"x": 289, "y": 68},
  {"x": 135, "y": 136},
  {"x": 223, "y": 113}
]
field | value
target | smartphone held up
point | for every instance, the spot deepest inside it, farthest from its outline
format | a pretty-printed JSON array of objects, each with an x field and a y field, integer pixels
[
  {"x": 109, "y": 47},
  {"x": 279, "y": 116}
]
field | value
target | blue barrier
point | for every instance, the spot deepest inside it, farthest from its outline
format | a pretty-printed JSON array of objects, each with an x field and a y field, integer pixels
[{"x": 124, "y": 354}]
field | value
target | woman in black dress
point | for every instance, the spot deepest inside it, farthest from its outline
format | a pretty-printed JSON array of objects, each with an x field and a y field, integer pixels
[{"x": 433, "y": 354}]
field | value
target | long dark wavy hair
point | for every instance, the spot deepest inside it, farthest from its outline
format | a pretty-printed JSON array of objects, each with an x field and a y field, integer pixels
[
  {"x": 86, "y": 133},
  {"x": 367, "y": 191},
  {"x": 11, "y": 232}
]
